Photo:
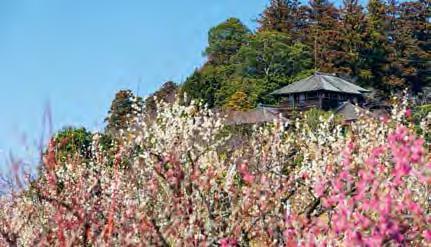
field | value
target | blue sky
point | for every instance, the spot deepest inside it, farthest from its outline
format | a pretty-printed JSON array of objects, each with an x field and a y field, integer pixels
[{"x": 74, "y": 56}]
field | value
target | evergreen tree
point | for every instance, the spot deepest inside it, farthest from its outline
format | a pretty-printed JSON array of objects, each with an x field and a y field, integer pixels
[
  {"x": 205, "y": 83},
  {"x": 412, "y": 35},
  {"x": 225, "y": 39},
  {"x": 351, "y": 42},
  {"x": 378, "y": 51},
  {"x": 269, "y": 62},
  {"x": 323, "y": 14},
  {"x": 287, "y": 16},
  {"x": 323, "y": 34},
  {"x": 124, "y": 107},
  {"x": 387, "y": 47}
]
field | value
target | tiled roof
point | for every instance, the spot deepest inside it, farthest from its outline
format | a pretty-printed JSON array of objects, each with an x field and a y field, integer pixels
[
  {"x": 349, "y": 111},
  {"x": 254, "y": 116},
  {"x": 320, "y": 81}
]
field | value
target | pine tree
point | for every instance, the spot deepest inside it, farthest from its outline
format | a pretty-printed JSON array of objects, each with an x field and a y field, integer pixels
[
  {"x": 412, "y": 35},
  {"x": 378, "y": 51},
  {"x": 352, "y": 32},
  {"x": 324, "y": 34}
]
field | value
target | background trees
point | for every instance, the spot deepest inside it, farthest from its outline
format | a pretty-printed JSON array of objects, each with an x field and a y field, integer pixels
[
  {"x": 225, "y": 39},
  {"x": 205, "y": 83},
  {"x": 166, "y": 93},
  {"x": 70, "y": 141},
  {"x": 385, "y": 46},
  {"x": 351, "y": 40},
  {"x": 271, "y": 62},
  {"x": 413, "y": 42},
  {"x": 286, "y": 16},
  {"x": 251, "y": 68},
  {"x": 323, "y": 34},
  {"x": 310, "y": 184},
  {"x": 124, "y": 105}
]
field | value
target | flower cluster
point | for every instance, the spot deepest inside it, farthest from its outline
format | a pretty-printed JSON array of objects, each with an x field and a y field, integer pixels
[{"x": 178, "y": 180}]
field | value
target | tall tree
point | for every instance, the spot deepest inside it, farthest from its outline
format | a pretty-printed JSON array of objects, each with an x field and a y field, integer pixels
[
  {"x": 352, "y": 31},
  {"x": 269, "y": 55},
  {"x": 378, "y": 51},
  {"x": 204, "y": 84},
  {"x": 225, "y": 39},
  {"x": 385, "y": 46},
  {"x": 412, "y": 38},
  {"x": 271, "y": 61},
  {"x": 323, "y": 34},
  {"x": 287, "y": 16}
]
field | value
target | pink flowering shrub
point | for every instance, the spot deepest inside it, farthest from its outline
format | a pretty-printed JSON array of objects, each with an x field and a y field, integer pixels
[
  {"x": 382, "y": 199},
  {"x": 177, "y": 181}
]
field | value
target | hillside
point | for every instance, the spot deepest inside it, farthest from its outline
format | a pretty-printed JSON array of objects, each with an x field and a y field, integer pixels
[{"x": 211, "y": 162}]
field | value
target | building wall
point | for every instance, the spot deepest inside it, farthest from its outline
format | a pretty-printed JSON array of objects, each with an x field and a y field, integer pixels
[{"x": 323, "y": 99}]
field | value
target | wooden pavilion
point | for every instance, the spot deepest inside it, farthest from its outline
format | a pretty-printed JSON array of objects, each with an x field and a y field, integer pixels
[{"x": 320, "y": 90}]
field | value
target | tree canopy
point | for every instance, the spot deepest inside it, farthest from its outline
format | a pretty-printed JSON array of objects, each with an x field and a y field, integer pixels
[
  {"x": 384, "y": 45},
  {"x": 225, "y": 39}
]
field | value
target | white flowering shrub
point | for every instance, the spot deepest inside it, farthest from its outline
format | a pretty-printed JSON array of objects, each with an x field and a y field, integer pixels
[{"x": 176, "y": 181}]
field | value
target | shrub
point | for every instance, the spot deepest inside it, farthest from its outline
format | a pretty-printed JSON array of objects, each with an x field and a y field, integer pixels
[
  {"x": 421, "y": 117},
  {"x": 72, "y": 140}
]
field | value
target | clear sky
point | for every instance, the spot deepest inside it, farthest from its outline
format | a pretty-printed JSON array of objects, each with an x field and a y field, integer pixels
[{"x": 74, "y": 56}]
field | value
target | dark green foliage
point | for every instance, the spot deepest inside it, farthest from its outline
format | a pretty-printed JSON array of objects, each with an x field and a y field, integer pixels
[
  {"x": 324, "y": 34},
  {"x": 239, "y": 89},
  {"x": 204, "y": 84},
  {"x": 346, "y": 58},
  {"x": 378, "y": 51},
  {"x": 123, "y": 108},
  {"x": 225, "y": 39},
  {"x": 420, "y": 113},
  {"x": 267, "y": 61},
  {"x": 394, "y": 56},
  {"x": 71, "y": 141},
  {"x": 106, "y": 142},
  {"x": 385, "y": 45},
  {"x": 412, "y": 35}
]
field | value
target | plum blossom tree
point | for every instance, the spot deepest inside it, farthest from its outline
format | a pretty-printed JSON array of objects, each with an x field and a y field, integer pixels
[{"x": 175, "y": 181}]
